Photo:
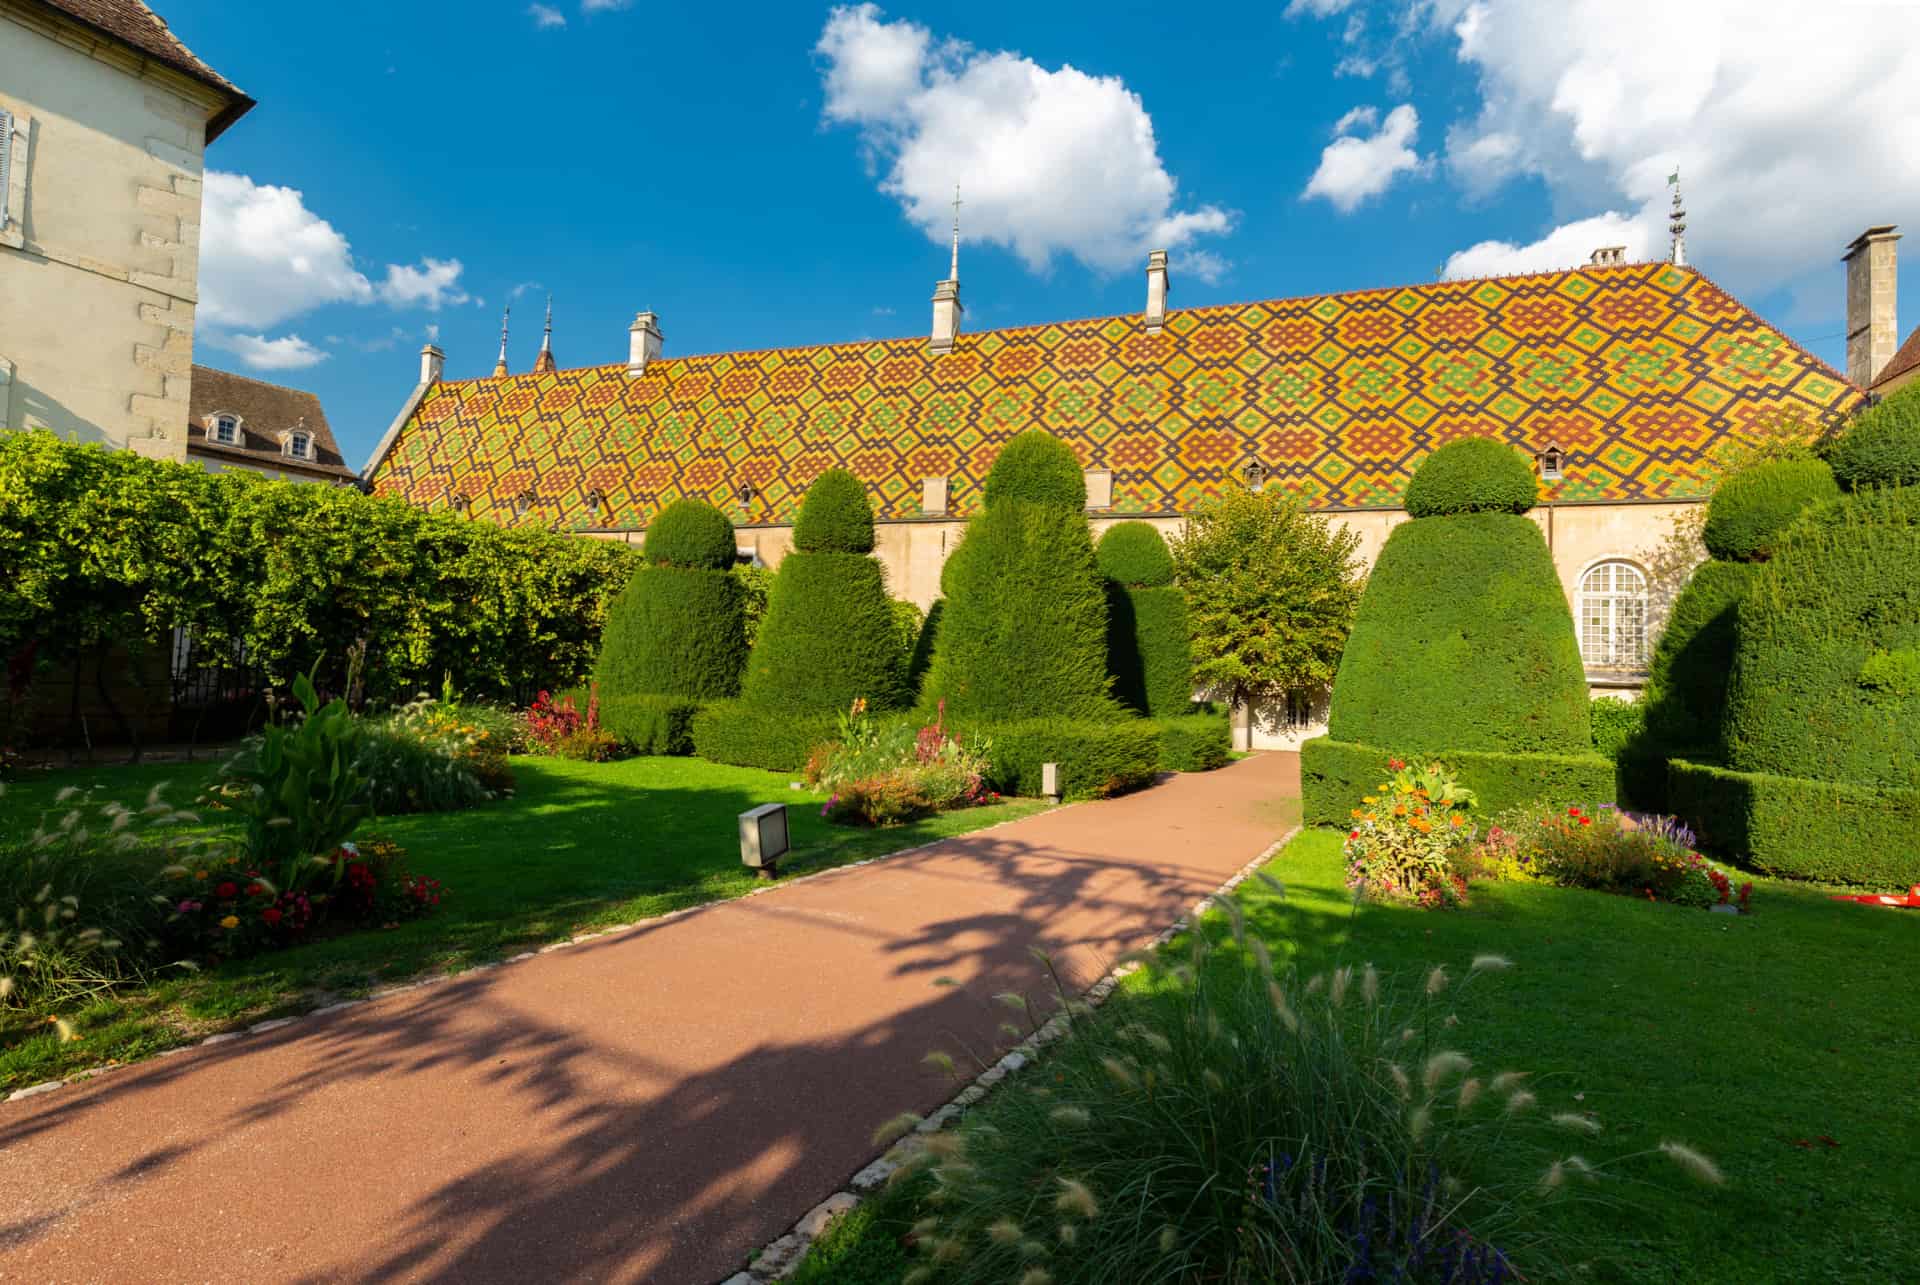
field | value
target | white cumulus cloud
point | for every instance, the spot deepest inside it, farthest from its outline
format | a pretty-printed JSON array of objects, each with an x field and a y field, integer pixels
[
  {"x": 1356, "y": 167},
  {"x": 433, "y": 285},
  {"x": 257, "y": 352},
  {"x": 546, "y": 17},
  {"x": 1783, "y": 118},
  {"x": 1049, "y": 162}
]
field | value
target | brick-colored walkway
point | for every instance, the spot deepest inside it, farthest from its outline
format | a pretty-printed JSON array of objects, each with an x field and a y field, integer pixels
[{"x": 646, "y": 1106}]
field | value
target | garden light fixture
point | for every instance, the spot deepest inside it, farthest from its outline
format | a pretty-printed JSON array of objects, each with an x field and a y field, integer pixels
[
  {"x": 1050, "y": 781},
  {"x": 763, "y": 837}
]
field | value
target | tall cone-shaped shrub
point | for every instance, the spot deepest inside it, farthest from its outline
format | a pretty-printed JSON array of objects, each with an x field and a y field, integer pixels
[
  {"x": 829, "y": 634},
  {"x": 1023, "y": 633},
  {"x": 679, "y": 627},
  {"x": 1148, "y": 650}
]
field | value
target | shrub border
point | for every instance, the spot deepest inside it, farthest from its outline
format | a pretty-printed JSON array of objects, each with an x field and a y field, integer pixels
[
  {"x": 1798, "y": 828},
  {"x": 1335, "y": 774}
]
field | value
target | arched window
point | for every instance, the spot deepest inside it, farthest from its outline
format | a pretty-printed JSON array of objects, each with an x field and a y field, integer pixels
[
  {"x": 226, "y": 430},
  {"x": 1613, "y": 616}
]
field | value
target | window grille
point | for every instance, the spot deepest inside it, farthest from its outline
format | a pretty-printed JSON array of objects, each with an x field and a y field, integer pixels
[{"x": 1613, "y": 616}]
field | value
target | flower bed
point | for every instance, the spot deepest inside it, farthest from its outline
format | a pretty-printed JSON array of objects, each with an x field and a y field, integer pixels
[
  {"x": 890, "y": 773},
  {"x": 568, "y": 729},
  {"x": 1607, "y": 850},
  {"x": 1410, "y": 838}
]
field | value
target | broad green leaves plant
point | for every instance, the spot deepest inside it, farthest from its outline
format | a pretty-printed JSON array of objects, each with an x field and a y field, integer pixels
[{"x": 302, "y": 789}]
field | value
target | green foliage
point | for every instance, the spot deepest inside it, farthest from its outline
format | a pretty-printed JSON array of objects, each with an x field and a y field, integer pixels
[
  {"x": 1134, "y": 554},
  {"x": 301, "y": 789},
  {"x": 106, "y": 547},
  {"x": 1799, "y": 828},
  {"x": 1750, "y": 509},
  {"x": 1820, "y": 633},
  {"x": 1463, "y": 641},
  {"x": 920, "y": 660},
  {"x": 1038, "y": 468},
  {"x": 644, "y": 724},
  {"x": 1615, "y": 722},
  {"x": 1472, "y": 475},
  {"x": 1024, "y": 630},
  {"x": 1195, "y": 742},
  {"x": 1882, "y": 446},
  {"x": 829, "y": 637},
  {"x": 756, "y": 586},
  {"x": 1149, "y": 651},
  {"x": 1686, "y": 690},
  {"x": 744, "y": 735},
  {"x": 1271, "y": 592},
  {"x": 1336, "y": 775},
  {"x": 908, "y": 624},
  {"x": 411, "y": 770},
  {"x": 1097, "y": 758},
  {"x": 691, "y": 534},
  {"x": 675, "y": 631},
  {"x": 836, "y": 516}
]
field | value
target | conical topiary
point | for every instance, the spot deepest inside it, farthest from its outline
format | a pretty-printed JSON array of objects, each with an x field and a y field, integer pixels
[
  {"x": 679, "y": 627},
  {"x": 1149, "y": 652}
]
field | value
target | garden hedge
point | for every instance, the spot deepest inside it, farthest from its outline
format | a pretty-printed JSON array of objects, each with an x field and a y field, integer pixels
[
  {"x": 1039, "y": 468},
  {"x": 649, "y": 724},
  {"x": 1472, "y": 475},
  {"x": 1751, "y": 508},
  {"x": 1826, "y": 672},
  {"x": 691, "y": 533},
  {"x": 1463, "y": 641},
  {"x": 1882, "y": 447},
  {"x": 835, "y": 517},
  {"x": 1195, "y": 742},
  {"x": 1097, "y": 757},
  {"x": 921, "y": 660},
  {"x": 1135, "y": 555},
  {"x": 746, "y": 736},
  {"x": 1615, "y": 722},
  {"x": 674, "y": 631},
  {"x": 1799, "y": 828},
  {"x": 829, "y": 636},
  {"x": 1336, "y": 775},
  {"x": 1149, "y": 652}
]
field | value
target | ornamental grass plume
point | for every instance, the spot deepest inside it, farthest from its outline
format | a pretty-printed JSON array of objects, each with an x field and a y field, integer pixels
[
  {"x": 1696, "y": 1165},
  {"x": 1075, "y": 1198}
]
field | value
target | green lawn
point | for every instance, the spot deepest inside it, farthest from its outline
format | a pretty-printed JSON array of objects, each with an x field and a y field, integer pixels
[
  {"x": 579, "y": 846},
  {"x": 1782, "y": 1044}
]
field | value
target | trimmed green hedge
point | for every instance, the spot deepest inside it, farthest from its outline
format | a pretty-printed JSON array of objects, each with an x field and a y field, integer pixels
[
  {"x": 1463, "y": 641},
  {"x": 1615, "y": 722},
  {"x": 1039, "y": 468},
  {"x": 1686, "y": 692},
  {"x": 836, "y": 516},
  {"x": 649, "y": 724},
  {"x": 1750, "y": 509},
  {"x": 922, "y": 658},
  {"x": 828, "y": 637},
  {"x": 1826, "y": 673},
  {"x": 1882, "y": 448},
  {"x": 1799, "y": 828},
  {"x": 1195, "y": 742},
  {"x": 1135, "y": 555},
  {"x": 691, "y": 533},
  {"x": 1097, "y": 758},
  {"x": 1336, "y": 775},
  {"x": 745, "y": 736},
  {"x": 1149, "y": 652},
  {"x": 674, "y": 631},
  {"x": 1472, "y": 475}
]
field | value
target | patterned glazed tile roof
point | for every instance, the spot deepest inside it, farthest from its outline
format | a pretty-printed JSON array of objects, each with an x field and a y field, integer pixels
[{"x": 1635, "y": 372}]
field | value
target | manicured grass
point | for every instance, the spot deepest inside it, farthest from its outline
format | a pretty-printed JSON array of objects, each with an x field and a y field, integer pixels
[
  {"x": 579, "y": 846},
  {"x": 1781, "y": 1044}
]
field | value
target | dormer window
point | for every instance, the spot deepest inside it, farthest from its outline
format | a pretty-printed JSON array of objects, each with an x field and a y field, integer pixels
[
  {"x": 1553, "y": 463},
  {"x": 298, "y": 445},
  {"x": 226, "y": 429}
]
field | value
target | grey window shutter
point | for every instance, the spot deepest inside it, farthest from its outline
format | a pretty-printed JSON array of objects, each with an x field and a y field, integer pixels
[{"x": 6, "y": 163}]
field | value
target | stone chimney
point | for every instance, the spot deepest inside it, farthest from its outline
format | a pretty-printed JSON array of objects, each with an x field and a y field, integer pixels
[
  {"x": 1607, "y": 256},
  {"x": 1158, "y": 284},
  {"x": 1872, "y": 329},
  {"x": 643, "y": 343},
  {"x": 432, "y": 363}
]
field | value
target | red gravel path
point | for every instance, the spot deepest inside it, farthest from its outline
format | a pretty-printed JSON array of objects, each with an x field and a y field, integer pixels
[{"x": 646, "y": 1106}]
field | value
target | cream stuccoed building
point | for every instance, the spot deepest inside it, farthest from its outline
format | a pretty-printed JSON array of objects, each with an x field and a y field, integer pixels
[{"x": 105, "y": 117}]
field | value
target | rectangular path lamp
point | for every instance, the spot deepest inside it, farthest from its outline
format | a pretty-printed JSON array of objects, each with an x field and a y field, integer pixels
[
  {"x": 1050, "y": 781},
  {"x": 763, "y": 837}
]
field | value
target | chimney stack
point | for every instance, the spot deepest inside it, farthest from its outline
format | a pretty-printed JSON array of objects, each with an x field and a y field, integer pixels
[
  {"x": 1158, "y": 284},
  {"x": 643, "y": 343},
  {"x": 946, "y": 315},
  {"x": 1607, "y": 256},
  {"x": 432, "y": 363},
  {"x": 1872, "y": 328}
]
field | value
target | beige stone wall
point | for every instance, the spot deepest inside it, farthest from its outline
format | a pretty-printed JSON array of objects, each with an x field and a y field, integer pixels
[{"x": 99, "y": 259}]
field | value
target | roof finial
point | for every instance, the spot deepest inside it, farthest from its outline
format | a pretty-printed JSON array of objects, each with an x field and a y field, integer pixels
[
  {"x": 544, "y": 362},
  {"x": 953, "y": 270},
  {"x": 500, "y": 366},
  {"x": 1677, "y": 221}
]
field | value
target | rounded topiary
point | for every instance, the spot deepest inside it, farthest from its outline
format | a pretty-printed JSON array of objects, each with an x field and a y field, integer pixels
[
  {"x": 829, "y": 635},
  {"x": 1040, "y": 468},
  {"x": 691, "y": 533},
  {"x": 1135, "y": 555},
  {"x": 1826, "y": 674},
  {"x": 836, "y": 516},
  {"x": 1472, "y": 475},
  {"x": 674, "y": 631},
  {"x": 1686, "y": 688},
  {"x": 1463, "y": 641},
  {"x": 1751, "y": 508},
  {"x": 1882, "y": 448}
]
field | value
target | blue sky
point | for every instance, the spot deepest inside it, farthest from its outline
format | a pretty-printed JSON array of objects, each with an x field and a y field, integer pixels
[{"x": 777, "y": 175}]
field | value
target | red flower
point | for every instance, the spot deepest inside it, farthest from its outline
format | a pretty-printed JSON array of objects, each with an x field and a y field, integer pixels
[
  {"x": 1586, "y": 820},
  {"x": 255, "y": 889},
  {"x": 271, "y": 914},
  {"x": 226, "y": 890},
  {"x": 1573, "y": 812}
]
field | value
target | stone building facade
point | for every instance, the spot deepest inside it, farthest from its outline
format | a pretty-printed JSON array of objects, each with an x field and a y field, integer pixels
[{"x": 104, "y": 121}]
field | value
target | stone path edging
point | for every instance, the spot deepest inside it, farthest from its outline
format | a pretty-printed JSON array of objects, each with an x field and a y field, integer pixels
[
  {"x": 417, "y": 983},
  {"x": 781, "y": 1258}
]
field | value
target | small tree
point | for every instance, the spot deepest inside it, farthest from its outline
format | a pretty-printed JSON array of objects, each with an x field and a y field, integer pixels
[{"x": 1271, "y": 593}]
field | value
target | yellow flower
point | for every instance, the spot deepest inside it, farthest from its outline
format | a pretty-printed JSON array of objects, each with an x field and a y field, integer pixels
[
  {"x": 199, "y": 874},
  {"x": 231, "y": 921},
  {"x": 1369, "y": 799}
]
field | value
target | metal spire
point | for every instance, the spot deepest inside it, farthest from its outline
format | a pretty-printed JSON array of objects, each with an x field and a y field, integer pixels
[
  {"x": 500, "y": 366},
  {"x": 953, "y": 270},
  {"x": 544, "y": 362},
  {"x": 1677, "y": 221}
]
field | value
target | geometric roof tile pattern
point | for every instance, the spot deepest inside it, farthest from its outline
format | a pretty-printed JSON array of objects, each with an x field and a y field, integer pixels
[{"x": 1635, "y": 372}]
